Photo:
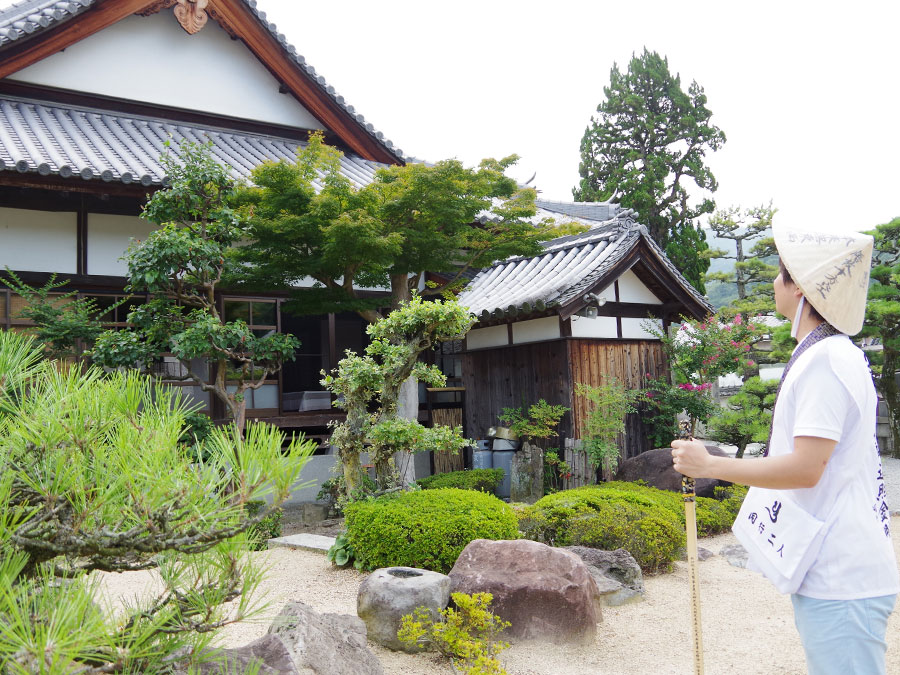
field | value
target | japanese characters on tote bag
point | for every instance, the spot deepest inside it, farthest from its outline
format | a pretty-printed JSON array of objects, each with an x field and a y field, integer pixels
[{"x": 782, "y": 538}]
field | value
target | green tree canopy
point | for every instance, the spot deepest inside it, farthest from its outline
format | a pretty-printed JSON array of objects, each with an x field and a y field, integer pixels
[
  {"x": 883, "y": 317},
  {"x": 648, "y": 143},
  {"x": 308, "y": 220},
  {"x": 687, "y": 249},
  {"x": 373, "y": 380},
  {"x": 182, "y": 265}
]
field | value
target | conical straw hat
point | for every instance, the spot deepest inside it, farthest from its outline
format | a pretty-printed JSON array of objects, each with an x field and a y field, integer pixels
[{"x": 831, "y": 270}]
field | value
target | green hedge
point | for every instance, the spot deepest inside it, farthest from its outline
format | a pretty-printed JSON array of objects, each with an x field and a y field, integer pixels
[
  {"x": 647, "y": 522},
  {"x": 426, "y": 528},
  {"x": 713, "y": 515},
  {"x": 485, "y": 480},
  {"x": 607, "y": 519}
]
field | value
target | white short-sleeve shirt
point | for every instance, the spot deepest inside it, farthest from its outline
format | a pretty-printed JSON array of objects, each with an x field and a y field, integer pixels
[{"x": 829, "y": 393}]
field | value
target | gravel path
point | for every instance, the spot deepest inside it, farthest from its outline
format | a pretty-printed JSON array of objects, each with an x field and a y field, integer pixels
[
  {"x": 747, "y": 625},
  {"x": 891, "y": 470}
]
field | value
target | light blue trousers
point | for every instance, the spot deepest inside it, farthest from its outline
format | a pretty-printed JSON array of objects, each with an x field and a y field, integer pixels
[{"x": 843, "y": 637}]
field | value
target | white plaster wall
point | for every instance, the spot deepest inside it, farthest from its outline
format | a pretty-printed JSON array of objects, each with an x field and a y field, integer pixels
[
  {"x": 536, "y": 330},
  {"x": 38, "y": 241},
  {"x": 492, "y": 336},
  {"x": 107, "y": 238},
  {"x": 152, "y": 59},
  {"x": 600, "y": 327},
  {"x": 632, "y": 328},
  {"x": 632, "y": 289}
]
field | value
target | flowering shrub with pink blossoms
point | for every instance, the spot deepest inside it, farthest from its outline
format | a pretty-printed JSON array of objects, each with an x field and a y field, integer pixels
[{"x": 698, "y": 352}]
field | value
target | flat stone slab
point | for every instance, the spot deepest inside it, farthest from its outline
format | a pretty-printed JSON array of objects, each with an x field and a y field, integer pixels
[{"x": 307, "y": 542}]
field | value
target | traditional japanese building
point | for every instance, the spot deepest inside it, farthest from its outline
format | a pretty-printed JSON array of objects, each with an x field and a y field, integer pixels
[
  {"x": 92, "y": 90},
  {"x": 576, "y": 313}
]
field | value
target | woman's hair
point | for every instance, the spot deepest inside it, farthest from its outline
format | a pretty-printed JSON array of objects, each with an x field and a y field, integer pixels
[{"x": 786, "y": 278}]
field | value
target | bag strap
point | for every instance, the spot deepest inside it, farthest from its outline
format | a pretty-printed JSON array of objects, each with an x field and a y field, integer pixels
[{"x": 817, "y": 334}]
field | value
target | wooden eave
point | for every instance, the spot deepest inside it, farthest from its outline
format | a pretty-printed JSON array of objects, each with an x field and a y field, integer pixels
[
  {"x": 234, "y": 17},
  {"x": 653, "y": 274}
]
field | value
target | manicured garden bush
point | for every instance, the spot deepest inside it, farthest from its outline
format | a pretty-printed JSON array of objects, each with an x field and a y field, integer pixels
[
  {"x": 485, "y": 480},
  {"x": 647, "y": 522},
  {"x": 713, "y": 515},
  {"x": 426, "y": 528},
  {"x": 607, "y": 519}
]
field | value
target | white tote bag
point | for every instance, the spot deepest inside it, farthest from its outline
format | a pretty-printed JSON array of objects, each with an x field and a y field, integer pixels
[{"x": 781, "y": 537}]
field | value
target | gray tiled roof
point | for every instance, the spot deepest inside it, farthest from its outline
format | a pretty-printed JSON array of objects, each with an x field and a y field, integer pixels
[
  {"x": 33, "y": 16},
  {"x": 569, "y": 267},
  {"x": 591, "y": 211},
  {"x": 67, "y": 141},
  {"x": 541, "y": 214}
]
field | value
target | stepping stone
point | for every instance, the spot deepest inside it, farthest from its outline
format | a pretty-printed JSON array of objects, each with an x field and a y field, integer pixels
[{"x": 305, "y": 542}]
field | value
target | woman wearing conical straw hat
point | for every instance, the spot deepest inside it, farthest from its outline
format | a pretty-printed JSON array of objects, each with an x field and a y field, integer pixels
[{"x": 816, "y": 522}]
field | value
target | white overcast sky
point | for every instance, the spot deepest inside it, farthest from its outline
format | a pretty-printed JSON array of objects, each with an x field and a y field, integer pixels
[{"x": 808, "y": 93}]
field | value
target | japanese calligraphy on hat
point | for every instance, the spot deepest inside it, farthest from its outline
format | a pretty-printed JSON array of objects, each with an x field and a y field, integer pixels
[{"x": 832, "y": 271}]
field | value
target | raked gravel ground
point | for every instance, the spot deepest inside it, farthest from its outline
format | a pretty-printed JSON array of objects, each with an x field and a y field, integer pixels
[{"x": 747, "y": 626}]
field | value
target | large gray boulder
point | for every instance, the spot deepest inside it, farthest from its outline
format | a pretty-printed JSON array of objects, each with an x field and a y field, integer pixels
[
  {"x": 324, "y": 644},
  {"x": 654, "y": 467},
  {"x": 545, "y": 593},
  {"x": 387, "y": 594},
  {"x": 618, "y": 576}
]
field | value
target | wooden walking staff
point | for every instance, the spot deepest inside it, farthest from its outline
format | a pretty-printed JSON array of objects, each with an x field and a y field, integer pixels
[{"x": 690, "y": 526}]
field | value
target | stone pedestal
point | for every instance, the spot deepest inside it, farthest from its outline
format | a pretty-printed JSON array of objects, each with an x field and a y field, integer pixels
[
  {"x": 527, "y": 480},
  {"x": 387, "y": 594}
]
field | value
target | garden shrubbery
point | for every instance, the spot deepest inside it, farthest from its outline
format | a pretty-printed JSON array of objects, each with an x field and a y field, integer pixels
[
  {"x": 426, "y": 528},
  {"x": 484, "y": 480},
  {"x": 647, "y": 522}
]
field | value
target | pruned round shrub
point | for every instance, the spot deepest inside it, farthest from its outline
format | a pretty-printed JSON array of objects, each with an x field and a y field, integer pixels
[
  {"x": 647, "y": 522},
  {"x": 713, "y": 515},
  {"x": 484, "y": 480},
  {"x": 426, "y": 529},
  {"x": 606, "y": 518}
]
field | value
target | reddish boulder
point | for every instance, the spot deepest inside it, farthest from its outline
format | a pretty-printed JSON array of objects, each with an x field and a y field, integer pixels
[
  {"x": 654, "y": 467},
  {"x": 545, "y": 593}
]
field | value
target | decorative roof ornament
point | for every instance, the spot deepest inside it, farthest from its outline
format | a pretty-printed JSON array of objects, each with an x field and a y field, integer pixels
[{"x": 191, "y": 14}]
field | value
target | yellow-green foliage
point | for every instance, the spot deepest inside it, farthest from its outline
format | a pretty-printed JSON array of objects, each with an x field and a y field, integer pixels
[
  {"x": 467, "y": 633},
  {"x": 426, "y": 529},
  {"x": 647, "y": 522}
]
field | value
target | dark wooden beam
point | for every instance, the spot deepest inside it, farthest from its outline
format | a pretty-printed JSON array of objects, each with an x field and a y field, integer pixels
[
  {"x": 75, "y": 184},
  {"x": 81, "y": 246}
]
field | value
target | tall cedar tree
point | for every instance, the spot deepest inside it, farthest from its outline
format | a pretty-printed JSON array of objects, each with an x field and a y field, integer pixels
[
  {"x": 687, "y": 249},
  {"x": 649, "y": 138},
  {"x": 310, "y": 221},
  {"x": 182, "y": 266},
  {"x": 883, "y": 317}
]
